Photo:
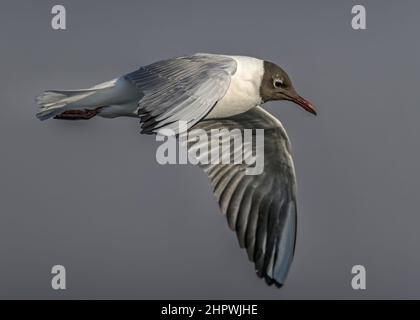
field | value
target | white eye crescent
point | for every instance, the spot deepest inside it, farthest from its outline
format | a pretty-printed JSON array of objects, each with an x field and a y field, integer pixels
[{"x": 278, "y": 83}]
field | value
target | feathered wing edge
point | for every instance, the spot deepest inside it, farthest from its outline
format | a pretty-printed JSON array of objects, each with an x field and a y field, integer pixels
[{"x": 261, "y": 209}]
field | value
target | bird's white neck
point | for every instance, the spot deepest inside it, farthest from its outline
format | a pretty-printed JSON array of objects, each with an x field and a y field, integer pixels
[{"x": 244, "y": 90}]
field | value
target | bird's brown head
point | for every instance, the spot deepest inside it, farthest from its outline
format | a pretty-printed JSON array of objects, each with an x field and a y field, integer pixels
[{"x": 276, "y": 85}]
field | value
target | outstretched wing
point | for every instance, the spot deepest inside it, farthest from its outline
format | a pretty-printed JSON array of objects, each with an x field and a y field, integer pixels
[
  {"x": 260, "y": 208},
  {"x": 184, "y": 88}
]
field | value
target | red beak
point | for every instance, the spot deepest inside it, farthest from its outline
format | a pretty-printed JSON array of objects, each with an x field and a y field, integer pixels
[{"x": 305, "y": 104}]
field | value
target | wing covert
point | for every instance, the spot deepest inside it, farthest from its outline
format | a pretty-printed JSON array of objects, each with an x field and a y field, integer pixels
[{"x": 184, "y": 88}]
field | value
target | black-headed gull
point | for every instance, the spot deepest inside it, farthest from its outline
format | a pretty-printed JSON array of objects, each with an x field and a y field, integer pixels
[{"x": 209, "y": 91}]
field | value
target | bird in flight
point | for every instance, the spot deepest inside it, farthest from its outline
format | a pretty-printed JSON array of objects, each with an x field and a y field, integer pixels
[{"x": 210, "y": 91}]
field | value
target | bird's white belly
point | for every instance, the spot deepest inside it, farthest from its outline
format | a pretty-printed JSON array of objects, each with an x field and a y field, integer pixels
[{"x": 244, "y": 90}]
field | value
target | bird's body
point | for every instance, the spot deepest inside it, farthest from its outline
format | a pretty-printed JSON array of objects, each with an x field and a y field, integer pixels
[
  {"x": 209, "y": 91},
  {"x": 120, "y": 96},
  {"x": 124, "y": 101}
]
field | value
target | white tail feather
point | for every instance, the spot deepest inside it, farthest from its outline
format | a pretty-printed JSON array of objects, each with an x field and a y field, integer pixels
[
  {"x": 52, "y": 103},
  {"x": 117, "y": 97}
]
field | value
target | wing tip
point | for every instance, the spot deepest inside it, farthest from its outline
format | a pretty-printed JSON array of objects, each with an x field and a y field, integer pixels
[
  {"x": 269, "y": 280},
  {"x": 272, "y": 282}
]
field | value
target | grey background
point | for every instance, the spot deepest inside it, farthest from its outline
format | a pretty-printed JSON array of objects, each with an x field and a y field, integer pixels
[{"x": 90, "y": 195}]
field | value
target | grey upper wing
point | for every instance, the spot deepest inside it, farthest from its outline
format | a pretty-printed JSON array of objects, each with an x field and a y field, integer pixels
[
  {"x": 260, "y": 208},
  {"x": 184, "y": 88}
]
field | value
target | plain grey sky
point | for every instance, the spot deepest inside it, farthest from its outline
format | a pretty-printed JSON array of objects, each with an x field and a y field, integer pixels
[{"x": 90, "y": 195}]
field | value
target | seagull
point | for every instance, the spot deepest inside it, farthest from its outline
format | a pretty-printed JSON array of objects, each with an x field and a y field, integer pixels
[{"x": 213, "y": 91}]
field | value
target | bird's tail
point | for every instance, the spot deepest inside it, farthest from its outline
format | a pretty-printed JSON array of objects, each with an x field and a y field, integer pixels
[
  {"x": 54, "y": 103},
  {"x": 71, "y": 103}
]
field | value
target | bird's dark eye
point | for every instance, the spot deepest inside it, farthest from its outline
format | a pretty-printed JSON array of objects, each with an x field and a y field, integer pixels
[{"x": 278, "y": 83}]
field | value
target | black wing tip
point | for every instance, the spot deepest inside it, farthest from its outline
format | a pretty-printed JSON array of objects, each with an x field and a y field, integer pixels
[
  {"x": 270, "y": 281},
  {"x": 147, "y": 122},
  {"x": 146, "y": 131}
]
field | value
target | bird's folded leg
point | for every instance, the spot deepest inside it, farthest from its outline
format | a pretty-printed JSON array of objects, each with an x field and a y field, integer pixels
[{"x": 78, "y": 114}]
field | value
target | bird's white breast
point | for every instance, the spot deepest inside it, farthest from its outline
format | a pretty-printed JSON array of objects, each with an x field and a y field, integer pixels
[{"x": 244, "y": 89}]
